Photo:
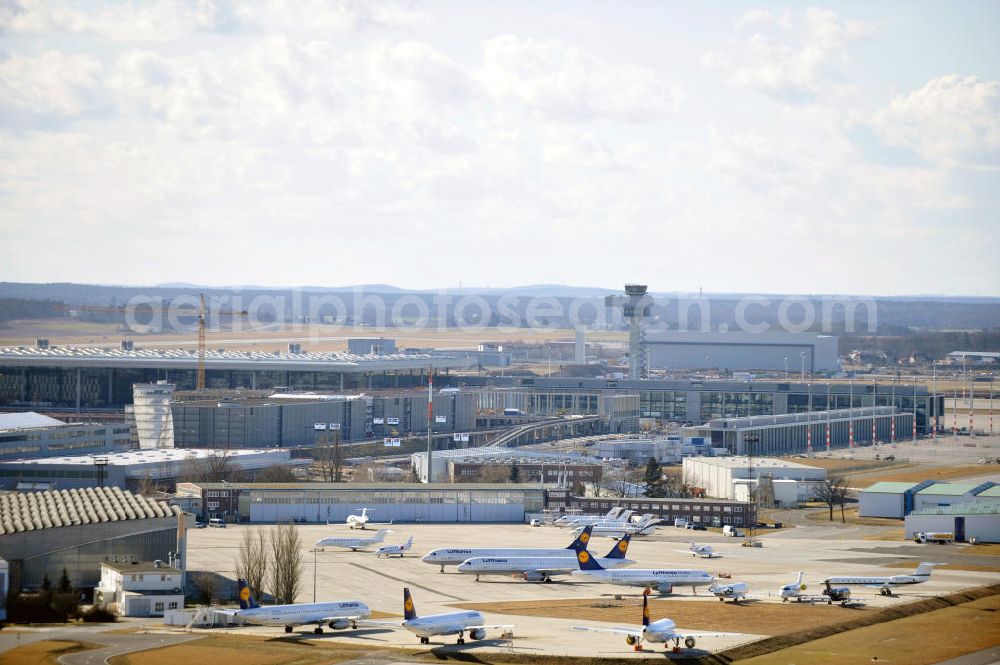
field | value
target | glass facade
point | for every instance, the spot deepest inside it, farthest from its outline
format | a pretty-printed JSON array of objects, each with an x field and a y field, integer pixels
[
  {"x": 715, "y": 404},
  {"x": 663, "y": 404}
]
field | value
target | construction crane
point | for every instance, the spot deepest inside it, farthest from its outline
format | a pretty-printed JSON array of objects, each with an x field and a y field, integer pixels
[{"x": 202, "y": 324}]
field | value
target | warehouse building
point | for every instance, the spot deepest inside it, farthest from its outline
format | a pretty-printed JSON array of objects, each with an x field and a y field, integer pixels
[
  {"x": 737, "y": 350},
  {"x": 24, "y": 435},
  {"x": 797, "y": 433},
  {"x": 719, "y": 476},
  {"x": 306, "y": 419},
  {"x": 973, "y": 520},
  {"x": 942, "y": 495},
  {"x": 699, "y": 401},
  {"x": 43, "y": 532},
  {"x": 133, "y": 468},
  {"x": 888, "y": 499},
  {"x": 708, "y": 512},
  {"x": 397, "y": 502},
  {"x": 469, "y": 464},
  {"x": 103, "y": 378}
]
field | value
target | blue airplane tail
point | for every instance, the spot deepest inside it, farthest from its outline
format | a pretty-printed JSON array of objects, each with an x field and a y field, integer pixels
[
  {"x": 586, "y": 561},
  {"x": 645, "y": 607},
  {"x": 582, "y": 540},
  {"x": 409, "y": 612},
  {"x": 247, "y": 601},
  {"x": 620, "y": 548}
]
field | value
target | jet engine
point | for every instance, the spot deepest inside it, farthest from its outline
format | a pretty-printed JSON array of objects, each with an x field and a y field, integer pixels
[
  {"x": 340, "y": 624},
  {"x": 533, "y": 576},
  {"x": 477, "y": 633},
  {"x": 689, "y": 642},
  {"x": 664, "y": 587}
]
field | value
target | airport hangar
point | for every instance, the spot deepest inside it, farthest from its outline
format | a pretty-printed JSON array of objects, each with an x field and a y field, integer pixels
[
  {"x": 693, "y": 401},
  {"x": 743, "y": 351},
  {"x": 333, "y": 502},
  {"x": 43, "y": 532},
  {"x": 87, "y": 378}
]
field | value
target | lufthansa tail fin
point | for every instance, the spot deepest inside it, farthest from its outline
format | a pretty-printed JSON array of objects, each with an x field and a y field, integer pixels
[
  {"x": 582, "y": 540},
  {"x": 586, "y": 561},
  {"x": 247, "y": 601},
  {"x": 409, "y": 612},
  {"x": 645, "y": 607},
  {"x": 620, "y": 548}
]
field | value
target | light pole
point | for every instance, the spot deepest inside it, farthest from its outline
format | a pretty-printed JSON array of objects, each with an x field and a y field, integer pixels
[
  {"x": 786, "y": 367},
  {"x": 315, "y": 549},
  {"x": 802, "y": 376}
]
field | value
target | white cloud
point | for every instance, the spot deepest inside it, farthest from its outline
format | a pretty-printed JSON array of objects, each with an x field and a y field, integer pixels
[
  {"x": 573, "y": 83},
  {"x": 950, "y": 120},
  {"x": 50, "y": 87},
  {"x": 791, "y": 57},
  {"x": 165, "y": 20}
]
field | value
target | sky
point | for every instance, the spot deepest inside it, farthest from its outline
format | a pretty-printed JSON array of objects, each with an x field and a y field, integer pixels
[{"x": 734, "y": 147}]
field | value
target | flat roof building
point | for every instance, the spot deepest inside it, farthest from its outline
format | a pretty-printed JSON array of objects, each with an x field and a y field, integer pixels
[
  {"x": 132, "y": 468},
  {"x": 718, "y": 476},
  {"x": 466, "y": 464},
  {"x": 743, "y": 351},
  {"x": 397, "y": 502},
  {"x": 31, "y": 435}
]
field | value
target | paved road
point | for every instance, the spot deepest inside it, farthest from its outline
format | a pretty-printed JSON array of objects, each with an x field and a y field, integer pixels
[
  {"x": 116, "y": 643},
  {"x": 989, "y": 656}
]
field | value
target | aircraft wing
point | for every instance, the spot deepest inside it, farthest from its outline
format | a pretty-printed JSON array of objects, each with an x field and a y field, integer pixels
[
  {"x": 698, "y": 633},
  {"x": 356, "y": 617},
  {"x": 376, "y": 622},
  {"x": 493, "y": 626},
  {"x": 635, "y": 632}
]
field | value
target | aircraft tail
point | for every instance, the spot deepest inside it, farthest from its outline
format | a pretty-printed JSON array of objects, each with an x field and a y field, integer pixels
[
  {"x": 582, "y": 540},
  {"x": 586, "y": 561},
  {"x": 247, "y": 601},
  {"x": 620, "y": 548},
  {"x": 798, "y": 581},
  {"x": 645, "y": 607},
  {"x": 409, "y": 542},
  {"x": 409, "y": 612},
  {"x": 380, "y": 536},
  {"x": 925, "y": 569}
]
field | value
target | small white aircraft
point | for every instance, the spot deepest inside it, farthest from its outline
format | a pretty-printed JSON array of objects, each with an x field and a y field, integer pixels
[
  {"x": 662, "y": 579},
  {"x": 885, "y": 584},
  {"x": 734, "y": 590},
  {"x": 663, "y": 631},
  {"x": 829, "y": 595},
  {"x": 576, "y": 520},
  {"x": 448, "y": 623},
  {"x": 622, "y": 517},
  {"x": 644, "y": 526},
  {"x": 359, "y": 521},
  {"x": 704, "y": 551},
  {"x": 338, "y": 615},
  {"x": 394, "y": 550},
  {"x": 352, "y": 543}
]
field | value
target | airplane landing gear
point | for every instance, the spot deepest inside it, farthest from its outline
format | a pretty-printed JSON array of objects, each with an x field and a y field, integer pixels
[
  {"x": 317, "y": 630},
  {"x": 425, "y": 640}
]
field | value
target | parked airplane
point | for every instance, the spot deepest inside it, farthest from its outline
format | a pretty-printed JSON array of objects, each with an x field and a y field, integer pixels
[
  {"x": 662, "y": 579},
  {"x": 645, "y": 526},
  {"x": 734, "y": 590},
  {"x": 829, "y": 594},
  {"x": 704, "y": 551},
  {"x": 541, "y": 569},
  {"x": 394, "y": 550},
  {"x": 449, "y": 623},
  {"x": 662, "y": 630},
  {"x": 453, "y": 556},
  {"x": 885, "y": 584},
  {"x": 359, "y": 521},
  {"x": 621, "y": 518},
  {"x": 353, "y": 544},
  {"x": 338, "y": 615},
  {"x": 577, "y": 519}
]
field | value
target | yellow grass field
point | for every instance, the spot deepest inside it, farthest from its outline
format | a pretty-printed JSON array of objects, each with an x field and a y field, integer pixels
[
  {"x": 746, "y": 617},
  {"x": 44, "y": 652},
  {"x": 244, "y": 650},
  {"x": 938, "y": 473},
  {"x": 918, "y": 640}
]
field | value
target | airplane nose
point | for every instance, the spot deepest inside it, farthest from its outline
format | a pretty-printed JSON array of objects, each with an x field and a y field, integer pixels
[{"x": 426, "y": 558}]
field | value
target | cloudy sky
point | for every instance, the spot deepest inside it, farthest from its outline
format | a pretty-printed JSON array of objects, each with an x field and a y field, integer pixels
[{"x": 783, "y": 148}]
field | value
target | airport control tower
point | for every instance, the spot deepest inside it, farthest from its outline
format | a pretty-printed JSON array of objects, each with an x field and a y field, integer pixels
[{"x": 636, "y": 307}]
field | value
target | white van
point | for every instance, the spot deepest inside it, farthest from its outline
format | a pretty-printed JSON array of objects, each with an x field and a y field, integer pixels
[
  {"x": 731, "y": 531},
  {"x": 216, "y": 522},
  {"x": 680, "y": 522}
]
